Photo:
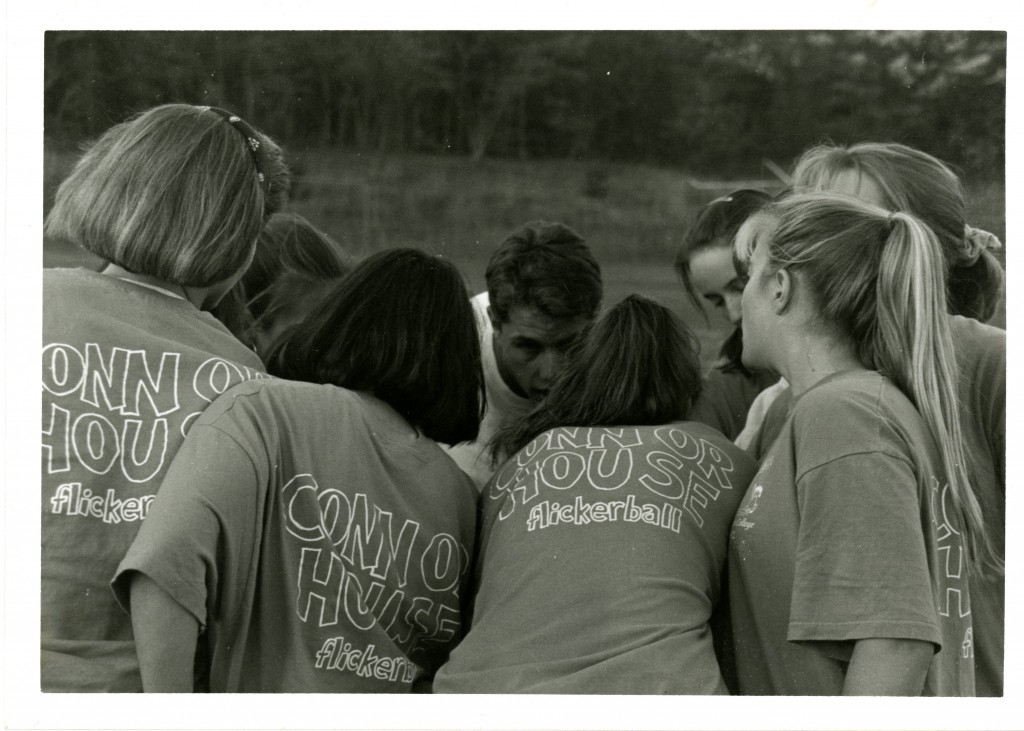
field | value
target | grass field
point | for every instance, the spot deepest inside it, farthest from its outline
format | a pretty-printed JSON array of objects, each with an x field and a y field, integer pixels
[{"x": 632, "y": 216}]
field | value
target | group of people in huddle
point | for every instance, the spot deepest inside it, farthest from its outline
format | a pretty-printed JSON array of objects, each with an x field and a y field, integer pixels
[{"x": 270, "y": 467}]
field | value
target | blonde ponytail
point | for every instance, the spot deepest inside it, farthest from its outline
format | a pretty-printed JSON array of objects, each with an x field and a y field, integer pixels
[
  {"x": 913, "y": 346},
  {"x": 879, "y": 278}
]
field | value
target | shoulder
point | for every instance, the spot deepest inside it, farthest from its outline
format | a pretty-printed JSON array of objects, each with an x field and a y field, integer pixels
[
  {"x": 61, "y": 282},
  {"x": 853, "y": 391},
  {"x": 976, "y": 343},
  {"x": 970, "y": 330},
  {"x": 59, "y": 274},
  {"x": 80, "y": 305},
  {"x": 269, "y": 397},
  {"x": 272, "y": 416},
  {"x": 853, "y": 413},
  {"x": 713, "y": 445}
]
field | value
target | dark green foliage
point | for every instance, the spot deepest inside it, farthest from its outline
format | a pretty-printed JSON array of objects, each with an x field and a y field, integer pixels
[{"x": 713, "y": 102}]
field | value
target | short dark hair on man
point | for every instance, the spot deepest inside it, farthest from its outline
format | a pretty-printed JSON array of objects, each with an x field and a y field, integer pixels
[
  {"x": 401, "y": 326},
  {"x": 548, "y": 267}
]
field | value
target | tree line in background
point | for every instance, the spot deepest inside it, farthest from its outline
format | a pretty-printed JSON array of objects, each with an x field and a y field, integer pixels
[{"x": 707, "y": 101}]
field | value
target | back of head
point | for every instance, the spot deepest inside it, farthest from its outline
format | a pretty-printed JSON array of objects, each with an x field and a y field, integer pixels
[
  {"x": 289, "y": 245},
  {"x": 294, "y": 268},
  {"x": 174, "y": 194},
  {"x": 547, "y": 267},
  {"x": 902, "y": 178},
  {"x": 638, "y": 365},
  {"x": 716, "y": 225},
  {"x": 289, "y": 300},
  {"x": 760, "y": 225},
  {"x": 877, "y": 277},
  {"x": 401, "y": 326},
  {"x": 837, "y": 243}
]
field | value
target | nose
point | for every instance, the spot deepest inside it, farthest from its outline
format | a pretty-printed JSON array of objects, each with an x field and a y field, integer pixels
[
  {"x": 549, "y": 364},
  {"x": 734, "y": 307}
]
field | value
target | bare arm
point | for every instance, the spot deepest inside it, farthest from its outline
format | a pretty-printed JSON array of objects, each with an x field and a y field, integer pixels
[
  {"x": 165, "y": 638},
  {"x": 888, "y": 667}
]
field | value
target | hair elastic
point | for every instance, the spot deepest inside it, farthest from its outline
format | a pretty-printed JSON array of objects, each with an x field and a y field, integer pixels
[
  {"x": 252, "y": 139},
  {"x": 977, "y": 240}
]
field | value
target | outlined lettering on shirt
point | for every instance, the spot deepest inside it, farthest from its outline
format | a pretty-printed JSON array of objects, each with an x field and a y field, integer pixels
[
  {"x": 134, "y": 400},
  {"x": 356, "y": 559},
  {"x": 686, "y": 469},
  {"x": 955, "y": 599}
]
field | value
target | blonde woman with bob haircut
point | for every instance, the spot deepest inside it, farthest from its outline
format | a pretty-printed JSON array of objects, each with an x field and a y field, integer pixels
[
  {"x": 901, "y": 178},
  {"x": 173, "y": 200},
  {"x": 850, "y": 552}
]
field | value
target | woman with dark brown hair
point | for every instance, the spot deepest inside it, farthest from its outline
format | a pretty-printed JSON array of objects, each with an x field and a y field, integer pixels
[
  {"x": 603, "y": 536},
  {"x": 295, "y": 267},
  {"x": 311, "y": 534}
]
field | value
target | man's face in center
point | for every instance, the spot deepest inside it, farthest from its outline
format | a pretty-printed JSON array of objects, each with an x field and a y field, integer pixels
[{"x": 530, "y": 348}]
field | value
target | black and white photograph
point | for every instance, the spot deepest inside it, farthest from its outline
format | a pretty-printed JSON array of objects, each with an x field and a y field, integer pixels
[{"x": 509, "y": 371}]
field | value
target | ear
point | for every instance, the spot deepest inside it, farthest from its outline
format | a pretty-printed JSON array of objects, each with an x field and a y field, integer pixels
[{"x": 781, "y": 290}]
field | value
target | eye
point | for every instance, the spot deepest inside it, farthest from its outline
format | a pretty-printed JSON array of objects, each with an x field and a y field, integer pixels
[{"x": 715, "y": 300}]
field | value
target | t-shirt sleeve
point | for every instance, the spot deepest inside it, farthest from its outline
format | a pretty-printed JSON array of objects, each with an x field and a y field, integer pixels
[
  {"x": 203, "y": 518},
  {"x": 861, "y": 566}
]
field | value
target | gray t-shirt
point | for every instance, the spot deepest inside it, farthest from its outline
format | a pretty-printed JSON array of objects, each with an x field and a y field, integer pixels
[
  {"x": 601, "y": 553},
  {"x": 320, "y": 540},
  {"x": 846, "y": 533},
  {"x": 126, "y": 370},
  {"x": 981, "y": 387}
]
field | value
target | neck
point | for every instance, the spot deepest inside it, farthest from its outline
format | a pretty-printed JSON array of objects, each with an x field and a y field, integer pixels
[{"x": 808, "y": 358}]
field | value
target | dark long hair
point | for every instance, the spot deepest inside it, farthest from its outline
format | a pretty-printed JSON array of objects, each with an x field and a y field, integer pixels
[
  {"x": 290, "y": 246},
  {"x": 638, "y": 365},
  {"x": 400, "y": 325}
]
